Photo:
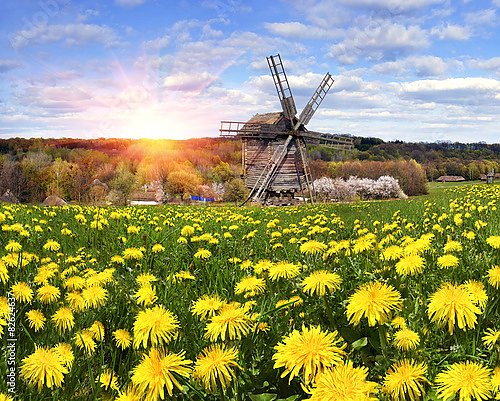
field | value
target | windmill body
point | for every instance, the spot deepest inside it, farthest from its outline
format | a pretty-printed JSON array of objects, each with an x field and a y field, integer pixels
[{"x": 274, "y": 156}]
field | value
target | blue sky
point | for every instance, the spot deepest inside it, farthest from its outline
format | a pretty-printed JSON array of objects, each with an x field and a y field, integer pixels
[{"x": 414, "y": 70}]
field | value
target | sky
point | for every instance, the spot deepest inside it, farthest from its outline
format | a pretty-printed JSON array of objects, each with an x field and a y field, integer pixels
[{"x": 411, "y": 70}]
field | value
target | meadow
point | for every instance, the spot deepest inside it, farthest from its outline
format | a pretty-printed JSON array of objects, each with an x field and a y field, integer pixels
[{"x": 380, "y": 300}]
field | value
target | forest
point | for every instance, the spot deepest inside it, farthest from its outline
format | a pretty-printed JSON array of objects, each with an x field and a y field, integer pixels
[{"x": 105, "y": 170}]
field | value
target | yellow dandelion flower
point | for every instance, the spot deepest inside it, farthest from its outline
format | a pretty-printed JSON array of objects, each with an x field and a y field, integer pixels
[
  {"x": 477, "y": 293},
  {"x": 4, "y": 272},
  {"x": 22, "y": 292},
  {"x": 447, "y": 261},
  {"x": 157, "y": 371},
  {"x": 406, "y": 339},
  {"x": 452, "y": 246},
  {"x": 186, "y": 231},
  {"x": 491, "y": 338},
  {"x": 132, "y": 254},
  {"x": 122, "y": 338},
  {"x": 494, "y": 241},
  {"x": 313, "y": 247},
  {"x": 494, "y": 277},
  {"x": 207, "y": 306},
  {"x": 145, "y": 278},
  {"x": 65, "y": 352},
  {"x": 344, "y": 382},
  {"x": 97, "y": 330},
  {"x": 13, "y": 246},
  {"x": 410, "y": 265},
  {"x": 48, "y": 293},
  {"x": 399, "y": 322},
  {"x": 84, "y": 340},
  {"x": 320, "y": 282},
  {"x": 495, "y": 382},
  {"x": 108, "y": 380},
  {"x": 155, "y": 325},
  {"x": 232, "y": 322},
  {"x": 406, "y": 380},
  {"x": 215, "y": 367},
  {"x": 43, "y": 367},
  {"x": 119, "y": 260},
  {"x": 376, "y": 301},
  {"x": 450, "y": 304},
  {"x": 75, "y": 301},
  {"x": 308, "y": 352},
  {"x": 129, "y": 394},
  {"x": 74, "y": 283},
  {"x": 470, "y": 380},
  {"x": 283, "y": 270},
  {"x": 393, "y": 252},
  {"x": 157, "y": 248},
  {"x": 182, "y": 276},
  {"x": 203, "y": 254},
  {"x": 146, "y": 295},
  {"x": 52, "y": 245},
  {"x": 250, "y": 286},
  {"x": 5, "y": 397},
  {"x": 262, "y": 266},
  {"x": 63, "y": 319},
  {"x": 36, "y": 319},
  {"x": 94, "y": 296}
]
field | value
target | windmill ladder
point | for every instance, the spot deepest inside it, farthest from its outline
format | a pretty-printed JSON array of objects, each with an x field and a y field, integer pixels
[
  {"x": 307, "y": 172},
  {"x": 263, "y": 180}
]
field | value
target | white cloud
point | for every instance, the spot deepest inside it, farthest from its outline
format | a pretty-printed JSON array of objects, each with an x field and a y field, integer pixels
[
  {"x": 70, "y": 34},
  {"x": 7, "y": 65},
  {"x": 451, "y": 32},
  {"x": 129, "y": 3},
  {"x": 421, "y": 66},
  {"x": 378, "y": 42},
  {"x": 471, "y": 91},
  {"x": 303, "y": 31},
  {"x": 158, "y": 43},
  {"x": 185, "y": 82},
  {"x": 482, "y": 18},
  {"x": 393, "y": 6},
  {"x": 492, "y": 64}
]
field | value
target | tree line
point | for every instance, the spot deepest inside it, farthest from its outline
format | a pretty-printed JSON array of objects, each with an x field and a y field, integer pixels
[{"x": 110, "y": 170}]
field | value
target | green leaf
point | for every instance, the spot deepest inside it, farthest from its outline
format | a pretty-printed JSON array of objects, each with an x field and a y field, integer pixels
[
  {"x": 358, "y": 344},
  {"x": 291, "y": 398},
  {"x": 263, "y": 397}
]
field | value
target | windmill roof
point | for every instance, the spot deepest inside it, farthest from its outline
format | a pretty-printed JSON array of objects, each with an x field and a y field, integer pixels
[{"x": 266, "y": 118}]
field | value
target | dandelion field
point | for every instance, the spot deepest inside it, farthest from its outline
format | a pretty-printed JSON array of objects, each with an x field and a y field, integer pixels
[{"x": 388, "y": 300}]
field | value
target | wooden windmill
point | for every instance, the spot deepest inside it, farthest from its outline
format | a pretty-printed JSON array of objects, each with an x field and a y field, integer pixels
[{"x": 274, "y": 155}]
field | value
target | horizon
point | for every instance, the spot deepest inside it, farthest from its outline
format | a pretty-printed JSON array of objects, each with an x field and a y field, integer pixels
[{"x": 425, "y": 71}]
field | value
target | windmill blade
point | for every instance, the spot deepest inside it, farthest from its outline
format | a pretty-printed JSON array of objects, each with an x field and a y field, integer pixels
[
  {"x": 315, "y": 101},
  {"x": 330, "y": 140},
  {"x": 282, "y": 87}
]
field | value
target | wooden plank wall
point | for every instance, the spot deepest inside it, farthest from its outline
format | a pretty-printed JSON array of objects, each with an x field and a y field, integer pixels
[{"x": 290, "y": 173}]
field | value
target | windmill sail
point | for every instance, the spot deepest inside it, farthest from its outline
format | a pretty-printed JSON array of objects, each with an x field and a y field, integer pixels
[
  {"x": 315, "y": 101},
  {"x": 282, "y": 86}
]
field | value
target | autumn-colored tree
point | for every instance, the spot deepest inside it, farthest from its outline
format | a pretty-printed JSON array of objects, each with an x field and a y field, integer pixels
[{"x": 183, "y": 183}]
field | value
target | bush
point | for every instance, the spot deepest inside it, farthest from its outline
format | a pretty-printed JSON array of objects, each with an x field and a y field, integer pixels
[
  {"x": 409, "y": 174},
  {"x": 345, "y": 190}
]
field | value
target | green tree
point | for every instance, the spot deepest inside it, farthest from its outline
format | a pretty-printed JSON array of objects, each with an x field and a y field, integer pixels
[
  {"x": 122, "y": 185},
  {"x": 235, "y": 190}
]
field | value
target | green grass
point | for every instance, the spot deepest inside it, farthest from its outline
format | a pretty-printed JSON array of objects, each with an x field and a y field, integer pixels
[{"x": 98, "y": 235}]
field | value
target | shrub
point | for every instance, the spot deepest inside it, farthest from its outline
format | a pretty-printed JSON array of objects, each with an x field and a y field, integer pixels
[
  {"x": 410, "y": 174},
  {"x": 345, "y": 190}
]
